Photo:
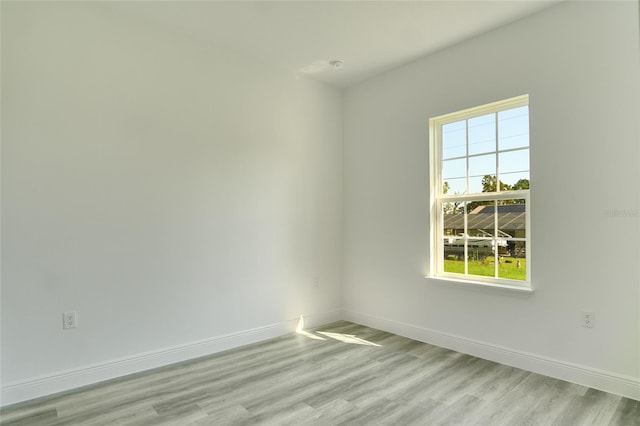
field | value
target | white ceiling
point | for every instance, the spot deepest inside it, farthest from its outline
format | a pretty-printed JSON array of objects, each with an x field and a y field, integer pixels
[{"x": 303, "y": 36}]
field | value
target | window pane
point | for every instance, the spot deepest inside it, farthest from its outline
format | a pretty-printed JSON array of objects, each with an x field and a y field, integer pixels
[
  {"x": 454, "y": 139},
  {"x": 453, "y": 219},
  {"x": 454, "y": 169},
  {"x": 479, "y": 167},
  {"x": 513, "y": 128},
  {"x": 455, "y": 186},
  {"x": 453, "y": 255},
  {"x": 514, "y": 266},
  {"x": 481, "y": 258},
  {"x": 453, "y": 240},
  {"x": 517, "y": 180},
  {"x": 482, "y": 134},
  {"x": 454, "y": 248},
  {"x": 512, "y": 219},
  {"x": 480, "y": 228},
  {"x": 514, "y": 161},
  {"x": 481, "y": 220}
]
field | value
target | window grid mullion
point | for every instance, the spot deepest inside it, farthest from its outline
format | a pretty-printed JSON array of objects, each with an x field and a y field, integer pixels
[
  {"x": 495, "y": 122},
  {"x": 466, "y": 219},
  {"x": 466, "y": 145},
  {"x": 496, "y": 248},
  {"x": 466, "y": 241},
  {"x": 487, "y": 196},
  {"x": 523, "y": 148}
]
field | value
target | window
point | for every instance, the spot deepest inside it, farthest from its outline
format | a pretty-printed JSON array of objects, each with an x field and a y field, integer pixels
[{"x": 480, "y": 229}]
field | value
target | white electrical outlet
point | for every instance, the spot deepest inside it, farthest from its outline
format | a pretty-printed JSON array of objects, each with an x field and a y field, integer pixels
[
  {"x": 69, "y": 320},
  {"x": 588, "y": 319}
]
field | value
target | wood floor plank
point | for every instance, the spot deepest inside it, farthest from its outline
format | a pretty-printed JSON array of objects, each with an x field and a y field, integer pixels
[
  {"x": 340, "y": 373},
  {"x": 627, "y": 413},
  {"x": 45, "y": 415}
]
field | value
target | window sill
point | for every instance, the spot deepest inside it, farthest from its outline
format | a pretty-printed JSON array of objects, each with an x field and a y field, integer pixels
[{"x": 512, "y": 290}]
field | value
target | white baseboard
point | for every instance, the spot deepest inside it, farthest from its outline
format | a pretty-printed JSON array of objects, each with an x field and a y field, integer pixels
[
  {"x": 62, "y": 381},
  {"x": 66, "y": 380},
  {"x": 603, "y": 380}
]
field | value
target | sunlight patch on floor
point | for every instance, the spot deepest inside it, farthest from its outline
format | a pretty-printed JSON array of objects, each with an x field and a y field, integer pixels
[{"x": 346, "y": 338}]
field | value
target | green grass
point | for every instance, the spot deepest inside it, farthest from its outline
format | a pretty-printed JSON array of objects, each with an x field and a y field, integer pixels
[{"x": 506, "y": 269}]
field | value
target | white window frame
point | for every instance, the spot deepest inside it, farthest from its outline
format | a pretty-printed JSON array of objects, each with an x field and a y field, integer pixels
[{"x": 437, "y": 198}]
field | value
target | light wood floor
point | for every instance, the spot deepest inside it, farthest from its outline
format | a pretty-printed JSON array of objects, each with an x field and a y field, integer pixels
[{"x": 338, "y": 374}]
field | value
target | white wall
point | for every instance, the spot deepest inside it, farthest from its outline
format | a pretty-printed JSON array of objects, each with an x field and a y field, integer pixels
[
  {"x": 167, "y": 191},
  {"x": 580, "y": 63}
]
